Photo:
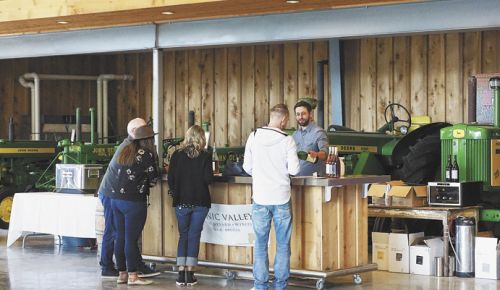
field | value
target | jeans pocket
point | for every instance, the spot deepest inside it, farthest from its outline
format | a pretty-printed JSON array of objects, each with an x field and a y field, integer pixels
[{"x": 284, "y": 211}]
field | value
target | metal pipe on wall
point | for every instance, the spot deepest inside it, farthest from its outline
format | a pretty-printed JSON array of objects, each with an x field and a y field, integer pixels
[{"x": 102, "y": 93}]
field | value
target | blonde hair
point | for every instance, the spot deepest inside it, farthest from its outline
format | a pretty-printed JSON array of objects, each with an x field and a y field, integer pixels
[
  {"x": 279, "y": 111},
  {"x": 194, "y": 141}
]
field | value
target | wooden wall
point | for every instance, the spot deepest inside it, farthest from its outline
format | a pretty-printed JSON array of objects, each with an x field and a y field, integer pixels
[
  {"x": 235, "y": 87},
  {"x": 128, "y": 99},
  {"x": 426, "y": 73}
]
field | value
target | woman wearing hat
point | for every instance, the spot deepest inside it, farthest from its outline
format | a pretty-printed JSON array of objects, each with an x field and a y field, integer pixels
[
  {"x": 189, "y": 174},
  {"x": 130, "y": 174}
]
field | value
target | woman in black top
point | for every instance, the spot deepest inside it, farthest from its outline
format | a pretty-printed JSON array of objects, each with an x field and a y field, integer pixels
[
  {"x": 190, "y": 173},
  {"x": 130, "y": 174}
]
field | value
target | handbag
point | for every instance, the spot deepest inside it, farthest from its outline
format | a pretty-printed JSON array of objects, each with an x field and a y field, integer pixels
[{"x": 233, "y": 166}]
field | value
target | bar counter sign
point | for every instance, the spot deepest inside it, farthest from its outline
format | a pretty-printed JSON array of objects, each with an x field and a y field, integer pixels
[{"x": 229, "y": 225}]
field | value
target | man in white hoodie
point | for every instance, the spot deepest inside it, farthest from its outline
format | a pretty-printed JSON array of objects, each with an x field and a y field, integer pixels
[{"x": 270, "y": 158}]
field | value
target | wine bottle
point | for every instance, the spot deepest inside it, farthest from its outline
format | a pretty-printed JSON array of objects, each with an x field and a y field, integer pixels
[
  {"x": 335, "y": 163},
  {"x": 215, "y": 161},
  {"x": 448, "y": 169},
  {"x": 455, "y": 170},
  {"x": 329, "y": 163}
]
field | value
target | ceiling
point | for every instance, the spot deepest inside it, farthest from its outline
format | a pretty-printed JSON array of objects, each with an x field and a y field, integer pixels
[{"x": 25, "y": 17}]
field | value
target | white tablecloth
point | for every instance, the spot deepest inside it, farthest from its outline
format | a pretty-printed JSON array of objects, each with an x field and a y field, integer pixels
[{"x": 71, "y": 215}]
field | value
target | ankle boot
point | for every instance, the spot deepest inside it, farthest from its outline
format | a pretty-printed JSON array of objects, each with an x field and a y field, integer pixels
[
  {"x": 190, "y": 278},
  {"x": 181, "y": 278}
]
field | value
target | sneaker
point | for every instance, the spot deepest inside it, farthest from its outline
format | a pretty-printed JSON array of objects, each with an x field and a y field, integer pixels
[
  {"x": 109, "y": 274},
  {"x": 181, "y": 279},
  {"x": 190, "y": 278},
  {"x": 145, "y": 271},
  {"x": 139, "y": 281}
]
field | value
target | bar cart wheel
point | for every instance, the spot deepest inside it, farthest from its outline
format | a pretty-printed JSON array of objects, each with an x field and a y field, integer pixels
[
  {"x": 357, "y": 279},
  {"x": 320, "y": 284},
  {"x": 230, "y": 275}
]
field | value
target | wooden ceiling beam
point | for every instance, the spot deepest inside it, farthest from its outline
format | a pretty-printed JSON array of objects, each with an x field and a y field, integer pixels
[{"x": 44, "y": 17}]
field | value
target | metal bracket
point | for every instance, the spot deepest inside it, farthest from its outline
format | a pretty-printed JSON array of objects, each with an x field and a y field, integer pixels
[
  {"x": 364, "y": 190},
  {"x": 327, "y": 193}
]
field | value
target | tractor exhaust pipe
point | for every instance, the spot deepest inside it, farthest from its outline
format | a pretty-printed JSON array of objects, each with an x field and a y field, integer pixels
[
  {"x": 78, "y": 126},
  {"x": 495, "y": 86}
]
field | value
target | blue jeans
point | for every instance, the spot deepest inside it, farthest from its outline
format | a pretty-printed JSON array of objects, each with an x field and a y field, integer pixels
[
  {"x": 108, "y": 237},
  {"x": 129, "y": 218},
  {"x": 190, "y": 223},
  {"x": 262, "y": 215}
]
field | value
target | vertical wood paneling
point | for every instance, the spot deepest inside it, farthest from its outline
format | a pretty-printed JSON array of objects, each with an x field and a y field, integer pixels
[
  {"x": 305, "y": 69},
  {"x": 402, "y": 71},
  {"x": 471, "y": 63},
  {"x": 181, "y": 104},
  {"x": 351, "y": 83},
  {"x": 436, "y": 78},
  {"x": 275, "y": 74},
  {"x": 368, "y": 83},
  {"x": 384, "y": 78},
  {"x": 418, "y": 75},
  {"x": 207, "y": 89},
  {"x": 194, "y": 85},
  {"x": 261, "y": 85},
  {"x": 290, "y": 78},
  {"x": 169, "y": 120},
  {"x": 320, "y": 53},
  {"x": 220, "y": 96},
  {"x": 489, "y": 52},
  {"x": 247, "y": 92},
  {"x": 454, "y": 86},
  {"x": 234, "y": 96}
]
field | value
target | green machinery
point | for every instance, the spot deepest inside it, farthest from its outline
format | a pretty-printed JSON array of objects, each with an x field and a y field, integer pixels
[
  {"x": 477, "y": 148},
  {"x": 29, "y": 165}
]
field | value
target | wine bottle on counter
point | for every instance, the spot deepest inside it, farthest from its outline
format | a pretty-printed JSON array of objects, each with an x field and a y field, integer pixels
[
  {"x": 448, "y": 169},
  {"x": 215, "y": 161},
  {"x": 335, "y": 163},
  {"x": 455, "y": 170},
  {"x": 329, "y": 163}
]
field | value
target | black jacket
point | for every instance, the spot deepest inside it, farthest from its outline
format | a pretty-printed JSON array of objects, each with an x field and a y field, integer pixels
[
  {"x": 130, "y": 182},
  {"x": 188, "y": 179}
]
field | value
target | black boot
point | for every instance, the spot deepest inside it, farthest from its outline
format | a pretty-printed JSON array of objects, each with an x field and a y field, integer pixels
[
  {"x": 190, "y": 278},
  {"x": 181, "y": 279}
]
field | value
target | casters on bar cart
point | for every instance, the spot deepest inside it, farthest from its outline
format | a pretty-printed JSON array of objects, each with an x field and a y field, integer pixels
[
  {"x": 152, "y": 265},
  {"x": 320, "y": 284},
  {"x": 356, "y": 278},
  {"x": 230, "y": 275}
]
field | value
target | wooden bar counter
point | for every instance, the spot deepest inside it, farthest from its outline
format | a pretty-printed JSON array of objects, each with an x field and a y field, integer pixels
[{"x": 330, "y": 220}]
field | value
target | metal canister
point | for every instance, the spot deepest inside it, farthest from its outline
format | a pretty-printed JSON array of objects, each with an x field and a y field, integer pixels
[
  {"x": 451, "y": 266},
  {"x": 465, "y": 229},
  {"x": 439, "y": 266}
]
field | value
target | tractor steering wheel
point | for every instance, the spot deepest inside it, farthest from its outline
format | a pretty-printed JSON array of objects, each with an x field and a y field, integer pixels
[{"x": 395, "y": 119}]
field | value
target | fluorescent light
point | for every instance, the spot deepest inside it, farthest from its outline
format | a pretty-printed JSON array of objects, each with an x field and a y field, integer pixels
[
  {"x": 62, "y": 22},
  {"x": 167, "y": 13},
  {"x": 292, "y": 1}
]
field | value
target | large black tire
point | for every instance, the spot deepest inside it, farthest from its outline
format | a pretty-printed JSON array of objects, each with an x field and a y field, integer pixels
[
  {"x": 6, "y": 198},
  {"x": 423, "y": 161}
]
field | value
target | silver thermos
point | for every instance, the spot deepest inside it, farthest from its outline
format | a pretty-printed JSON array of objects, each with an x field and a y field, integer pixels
[{"x": 465, "y": 230}]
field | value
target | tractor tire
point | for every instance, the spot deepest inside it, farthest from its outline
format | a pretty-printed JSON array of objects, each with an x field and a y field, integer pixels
[
  {"x": 423, "y": 161},
  {"x": 6, "y": 199}
]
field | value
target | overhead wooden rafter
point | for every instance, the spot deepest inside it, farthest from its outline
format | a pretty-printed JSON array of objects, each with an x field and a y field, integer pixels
[{"x": 28, "y": 16}]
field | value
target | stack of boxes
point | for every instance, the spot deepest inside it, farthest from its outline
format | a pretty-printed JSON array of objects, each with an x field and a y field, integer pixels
[{"x": 396, "y": 193}]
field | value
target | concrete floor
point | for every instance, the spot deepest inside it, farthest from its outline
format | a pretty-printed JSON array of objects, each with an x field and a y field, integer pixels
[{"x": 41, "y": 265}]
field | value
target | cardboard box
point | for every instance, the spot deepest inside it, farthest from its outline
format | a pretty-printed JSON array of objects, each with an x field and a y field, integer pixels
[
  {"x": 380, "y": 250},
  {"x": 408, "y": 195},
  {"x": 487, "y": 258},
  {"x": 423, "y": 252},
  {"x": 378, "y": 192},
  {"x": 399, "y": 251}
]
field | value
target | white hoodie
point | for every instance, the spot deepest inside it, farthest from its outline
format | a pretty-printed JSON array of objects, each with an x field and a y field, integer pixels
[{"x": 270, "y": 158}]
